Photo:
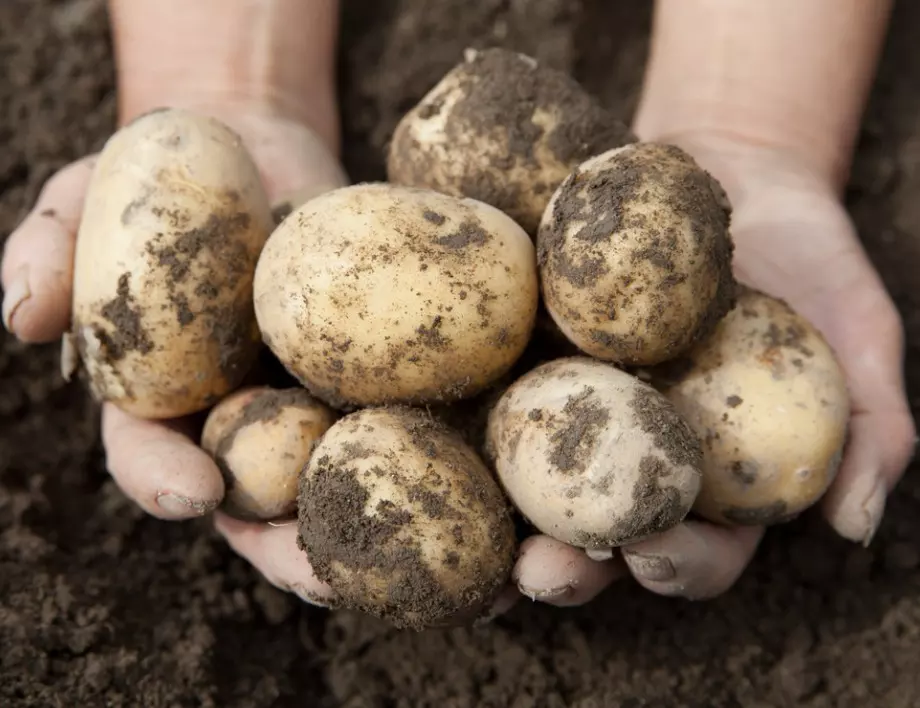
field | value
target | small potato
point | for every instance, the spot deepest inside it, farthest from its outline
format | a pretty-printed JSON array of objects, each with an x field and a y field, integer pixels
[
  {"x": 261, "y": 439},
  {"x": 404, "y": 521},
  {"x": 635, "y": 255},
  {"x": 769, "y": 400},
  {"x": 174, "y": 219},
  {"x": 592, "y": 456},
  {"x": 502, "y": 129},
  {"x": 376, "y": 294}
]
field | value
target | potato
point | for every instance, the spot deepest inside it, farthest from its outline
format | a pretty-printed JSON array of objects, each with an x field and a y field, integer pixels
[
  {"x": 636, "y": 256},
  {"x": 404, "y": 521},
  {"x": 770, "y": 402},
  {"x": 376, "y": 294},
  {"x": 592, "y": 456},
  {"x": 261, "y": 439},
  {"x": 174, "y": 219},
  {"x": 502, "y": 129}
]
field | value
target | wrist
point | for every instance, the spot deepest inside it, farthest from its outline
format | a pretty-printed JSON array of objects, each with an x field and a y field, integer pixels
[{"x": 268, "y": 59}]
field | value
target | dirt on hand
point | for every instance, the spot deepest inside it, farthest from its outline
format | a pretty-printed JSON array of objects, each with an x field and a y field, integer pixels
[{"x": 103, "y": 605}]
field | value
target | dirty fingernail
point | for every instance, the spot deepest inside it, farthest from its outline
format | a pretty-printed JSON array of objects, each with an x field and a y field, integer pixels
[
  {"x": 873, "y": 509},
  {"x": 16, "y": 294},
  {"x": 313, "y": 598},
  {"x": 656, "y": 569},
  {"x": 545, "y": 593},
  {"x": 182, "y": 507}
]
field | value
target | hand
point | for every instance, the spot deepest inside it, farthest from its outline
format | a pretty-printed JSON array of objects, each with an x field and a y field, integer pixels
[
  {"x": 795, "y": 241},
  {"x": 159, "y": 464}
]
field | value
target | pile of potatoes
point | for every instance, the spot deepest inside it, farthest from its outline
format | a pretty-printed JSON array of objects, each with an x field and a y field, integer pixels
[{"x": 529, "y": 264}]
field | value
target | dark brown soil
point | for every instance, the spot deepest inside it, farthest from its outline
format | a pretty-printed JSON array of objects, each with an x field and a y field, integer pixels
[{"x": 101, "y": 605}]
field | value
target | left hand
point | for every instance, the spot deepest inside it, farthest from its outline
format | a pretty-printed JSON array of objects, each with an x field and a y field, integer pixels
[{"x": 794, "y": 241}]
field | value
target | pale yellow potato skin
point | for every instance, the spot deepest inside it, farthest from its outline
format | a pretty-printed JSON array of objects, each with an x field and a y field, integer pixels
[
  {"x": 261, "y": 439},
  {"x": 174, "y": 219},
  {"x": 635, "y": 254},
  {"x": 768, "y": 398},
  {"x": 591, "y": 455},
  {"x": 449, "y": 540},
  {"x": 376, "y": 294},
  {"x": 513, "y": 160}
]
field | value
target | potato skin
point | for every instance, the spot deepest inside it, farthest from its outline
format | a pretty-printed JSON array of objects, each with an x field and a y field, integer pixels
[
  {"x": 591, "y": 455},
  {"x": 502, "y": 129},
  {"x": 376, "y": 294},
  {"x": 770, "y": 402},
  {"x": 174, "y": 219},
  {"x": 261, "y": 438},
  {"x": 404, "y": 521},
  {"x": 636, "y": 256}
]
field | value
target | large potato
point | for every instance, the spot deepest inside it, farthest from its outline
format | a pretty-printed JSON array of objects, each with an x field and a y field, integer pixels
[
  {"x": 404, "y": 521},
  {"x": 635, "y": 254},
  {"x": 592, "y": 456},
  {"x": 261, "y": 438},
  {"x": 770, "y": 402},
  {"x": 502, "y": 129},
  {"x": 174, "y": 220},
  {"x": 377, "y": 294}
]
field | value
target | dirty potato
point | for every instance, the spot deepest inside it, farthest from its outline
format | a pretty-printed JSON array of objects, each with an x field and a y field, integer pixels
[
  {"x": 502, "y": 129},
  {"x": 173, "y": 222},
  {"x": 261, "y": 439},
  {"x": 592, "y": 456},
  {"x": 377, "y": 294},
  {"x": 404, "y": 521},
  {"x": 770, "y": 402},
  {"x": 636, "y": 256}
]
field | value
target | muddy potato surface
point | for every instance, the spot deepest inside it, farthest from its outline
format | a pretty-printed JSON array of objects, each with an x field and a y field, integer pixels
[
  {"x": 591, "y": 455},
  {"x": 770, "y": 402},
  {"x": 261, "y": 439},
  {"x": 376, "y": 294},
  {"x": 404, "y": 521},
  {"x": 636, "y": 256},
  {"x": 174, "y": 219},
  {"x": 502, "y": 129}
]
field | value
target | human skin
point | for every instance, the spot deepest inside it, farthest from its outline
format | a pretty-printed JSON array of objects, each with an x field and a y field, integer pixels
[{"x": 767, "y": 96}]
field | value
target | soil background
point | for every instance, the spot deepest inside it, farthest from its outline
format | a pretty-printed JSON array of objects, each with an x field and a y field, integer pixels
[{"x": 103, "y": 606}]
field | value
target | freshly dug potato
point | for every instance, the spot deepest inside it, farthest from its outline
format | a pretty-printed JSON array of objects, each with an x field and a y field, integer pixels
[
  {"x": 261, "y": 439},
  {"x": 592, "y": 456},
  {"x": 377, "y": 294},
  {"x": 502, "y": 129},
  {"x": 769, "y": 400},
  {"x": 404, "y": 521},
  {"x": 636, "y": 256},
  {"x": 174, "y": 220}
]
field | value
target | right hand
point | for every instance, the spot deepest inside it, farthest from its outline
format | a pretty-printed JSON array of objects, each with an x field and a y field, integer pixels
[{"x": 159, "y": 465}]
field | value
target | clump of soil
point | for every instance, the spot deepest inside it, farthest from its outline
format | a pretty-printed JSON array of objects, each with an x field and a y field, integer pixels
[{"x": 102, "y": 605}]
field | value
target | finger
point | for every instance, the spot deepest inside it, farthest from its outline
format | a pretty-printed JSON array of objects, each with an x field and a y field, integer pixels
[
  {"x": 878, "y": 450},
  {"x": 37, "y": 269},
  {"x": 159, "y": 467},
  {"x": 273, "y": 551},
  {"x": 558, "y": 574},
  {"x": 696, "y": 560}
]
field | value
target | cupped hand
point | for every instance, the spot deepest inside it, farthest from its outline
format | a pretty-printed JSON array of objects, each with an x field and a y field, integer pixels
[{"x": 794, "y": 241}]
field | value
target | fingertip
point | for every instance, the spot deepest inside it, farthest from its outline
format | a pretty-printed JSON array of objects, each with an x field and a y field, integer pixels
[
  {"x": 273, "y": 551},
  {"x": 558, "y": 574},
  {"x": 163, "y": 471},
  {"x": 696, "y": 560}
]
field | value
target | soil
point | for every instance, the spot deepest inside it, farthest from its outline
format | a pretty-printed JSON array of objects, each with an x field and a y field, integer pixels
[{"x": 102, "y": 605}]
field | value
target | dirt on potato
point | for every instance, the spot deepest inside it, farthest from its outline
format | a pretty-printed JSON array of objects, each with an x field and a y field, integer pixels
[{"x": 103, "y": 605}]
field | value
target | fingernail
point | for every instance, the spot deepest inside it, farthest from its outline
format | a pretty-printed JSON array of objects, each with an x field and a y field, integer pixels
[
  {"x": 656, "y": 569},
  {"x": 874, "y": 509},
  {"x": 312, "y": 598},
  {"x": 182, "y": 507},
  {"x": 545, "y": 593},
  {"x": 16, "y": 294},
  {"x": 599, "y": 554}
]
